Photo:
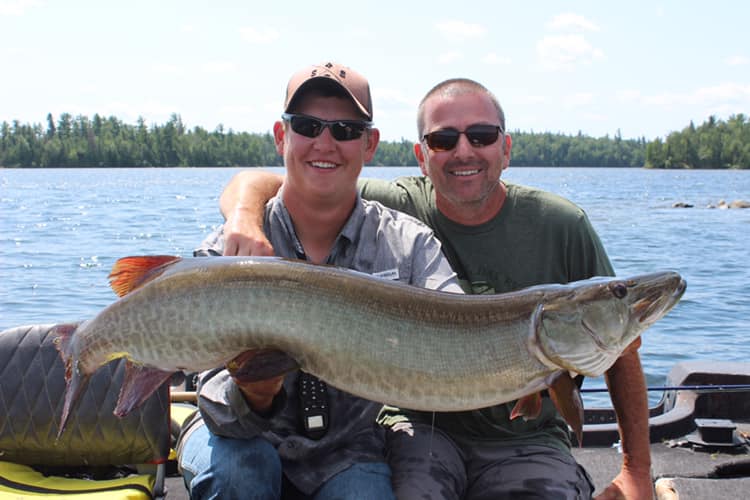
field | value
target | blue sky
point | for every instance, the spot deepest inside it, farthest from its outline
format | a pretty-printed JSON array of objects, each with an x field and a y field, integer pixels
[{"x": 644, "y": 67}]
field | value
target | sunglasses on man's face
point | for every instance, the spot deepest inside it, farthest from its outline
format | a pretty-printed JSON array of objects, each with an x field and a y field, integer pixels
[
  {"x": 447, "y": 138},
  {"x": 341, "y": 130}
]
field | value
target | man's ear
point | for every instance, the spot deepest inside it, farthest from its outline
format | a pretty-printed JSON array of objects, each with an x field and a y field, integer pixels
[
  {"x": 278, "y": 137},
  {"x": 373, "y": 139},
  {"x": 507, "y": 146},
  {"x": 419, "y": 155}
]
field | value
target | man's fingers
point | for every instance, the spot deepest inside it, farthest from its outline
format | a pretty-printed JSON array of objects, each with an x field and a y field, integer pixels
[
  {"x": 237, "y": 244},
  {"x": 612, "y": 492},
  {"x": 230, "y": 248}
]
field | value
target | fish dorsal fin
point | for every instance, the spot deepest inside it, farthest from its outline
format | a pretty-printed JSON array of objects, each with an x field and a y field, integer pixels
[{"x": 130, "y": 273}]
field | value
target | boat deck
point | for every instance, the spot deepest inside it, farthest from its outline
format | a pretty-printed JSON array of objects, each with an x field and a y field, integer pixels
[{"x": 692, "y": 474}]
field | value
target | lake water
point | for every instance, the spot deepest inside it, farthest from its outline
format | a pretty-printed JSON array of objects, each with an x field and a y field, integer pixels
[{"x": 62, "y": 229}]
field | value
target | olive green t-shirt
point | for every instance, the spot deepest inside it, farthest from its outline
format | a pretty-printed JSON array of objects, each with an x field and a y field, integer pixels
[{"x": 537, "y": 238}]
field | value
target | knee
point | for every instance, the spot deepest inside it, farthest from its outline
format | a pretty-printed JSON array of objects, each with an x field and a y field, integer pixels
[
  {"x": 363, "y": 481},
  {"x": 426, "y": 464},
  {"x": 244, "y": 460},
  {"x": 223, "y": 467}
]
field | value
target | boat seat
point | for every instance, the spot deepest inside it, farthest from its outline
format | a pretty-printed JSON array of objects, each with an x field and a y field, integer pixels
[{"x": 99, "y": 455}]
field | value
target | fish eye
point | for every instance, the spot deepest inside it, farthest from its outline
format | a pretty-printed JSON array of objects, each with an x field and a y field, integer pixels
[{"x": 619, "y": 290}]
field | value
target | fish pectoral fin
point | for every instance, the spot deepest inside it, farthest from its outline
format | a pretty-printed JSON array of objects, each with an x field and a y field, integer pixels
[
  {"x": 567, "y": 399},
  {"x": 130, "y": 273},
  {"x": 261, "y": 364},
  {"x": 139, "y": 383},
  {"x": 529, "y": 407}
]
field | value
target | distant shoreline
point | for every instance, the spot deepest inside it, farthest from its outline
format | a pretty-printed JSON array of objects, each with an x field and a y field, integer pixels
[{"x": 80, "y": 142}]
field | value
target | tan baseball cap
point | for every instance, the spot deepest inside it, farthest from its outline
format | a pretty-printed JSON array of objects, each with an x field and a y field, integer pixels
[{"x": 353, "y": 83}]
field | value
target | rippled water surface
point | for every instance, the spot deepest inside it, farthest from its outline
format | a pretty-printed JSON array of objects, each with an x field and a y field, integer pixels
[{"x": 62, "y": 229}]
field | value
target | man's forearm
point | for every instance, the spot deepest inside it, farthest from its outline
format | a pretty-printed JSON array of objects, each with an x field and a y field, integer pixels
[
  {"x": 243, "y": 205},
  {"x": 627, "y": 388},
  {"x": 249, "y": 190}
]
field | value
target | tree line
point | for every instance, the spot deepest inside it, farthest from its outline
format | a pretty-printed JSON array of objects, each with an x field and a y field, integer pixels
[
  {"x": 714, "y": 144},
  {"x": 108, "y": 142}
]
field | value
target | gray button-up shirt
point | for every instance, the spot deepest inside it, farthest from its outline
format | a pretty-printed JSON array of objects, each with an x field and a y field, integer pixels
[{"x": 374, "y": 240}]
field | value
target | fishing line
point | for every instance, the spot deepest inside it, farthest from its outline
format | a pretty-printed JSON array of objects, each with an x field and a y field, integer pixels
[
  {"x": 432, "y": 433},
  {"x": 696, "y": 388}
]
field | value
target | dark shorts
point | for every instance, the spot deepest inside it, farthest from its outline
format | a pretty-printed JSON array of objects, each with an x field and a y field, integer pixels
[{"x": 431, "y": 465}]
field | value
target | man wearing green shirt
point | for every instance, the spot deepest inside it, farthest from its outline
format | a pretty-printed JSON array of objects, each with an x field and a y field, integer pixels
[{"x": 498, "y": 237}]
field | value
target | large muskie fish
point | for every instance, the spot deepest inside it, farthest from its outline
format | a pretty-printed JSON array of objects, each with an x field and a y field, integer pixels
[{"x": 381, "y": 340}]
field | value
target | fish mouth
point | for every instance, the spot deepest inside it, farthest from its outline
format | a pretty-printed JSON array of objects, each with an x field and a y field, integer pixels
[
  {"x": 680, "y": 290},
  {"x": 655, "y": 304}
]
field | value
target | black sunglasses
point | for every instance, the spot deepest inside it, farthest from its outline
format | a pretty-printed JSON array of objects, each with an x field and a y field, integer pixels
[
  {"x": 447, "y": 138},
  {"x": 341, "y": 130}
]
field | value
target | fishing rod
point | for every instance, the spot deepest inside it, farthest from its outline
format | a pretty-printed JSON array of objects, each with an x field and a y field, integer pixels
[{"x": 695, "y": 388}]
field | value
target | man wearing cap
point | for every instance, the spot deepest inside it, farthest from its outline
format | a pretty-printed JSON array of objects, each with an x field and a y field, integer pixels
[{"x": 264, "y": 439}]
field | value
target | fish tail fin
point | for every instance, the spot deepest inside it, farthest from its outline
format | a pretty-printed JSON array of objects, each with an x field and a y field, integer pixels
[
  {"x": 529, "y": 407},
  {"x": 139, "y": 383},
  {"x": 75, "y": 380},
  {"x": 567, "y": 399}
]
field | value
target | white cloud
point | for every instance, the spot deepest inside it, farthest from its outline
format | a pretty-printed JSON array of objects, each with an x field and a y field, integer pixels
[
  {"x": 259, "y": 35},
  {"x": 725, "y": 95},
  {"x": 459, "y": 30},
  {"x": 566, "y": 51},
  {"x": 535, "y": 99},
  {"x": 578, "y": 99},
  {"x": 628, "y": 95},
  {"x": 17, "y": 7},
  {"x": 236, "y": 109},
  {"x": 219, "y": 67},
  {"x": 165, "y": 68},
  {"x": 449, "y": 57},
  {"x": 494, "y": 59},
  {"x": 572, "y": 21},
  {"x": 392, "y": 96},
  {"x": 13, "y": 51},
  {"x": 596, "y": 117},
  {"x": 724, "y": 91},
  {"x": 738, "y": 60}
]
